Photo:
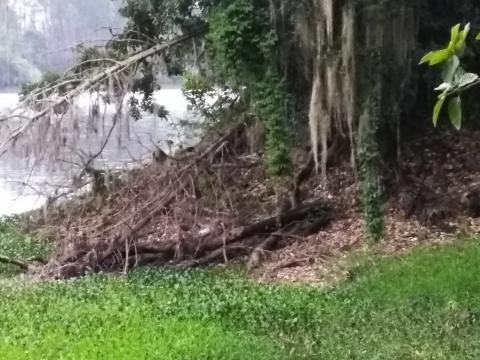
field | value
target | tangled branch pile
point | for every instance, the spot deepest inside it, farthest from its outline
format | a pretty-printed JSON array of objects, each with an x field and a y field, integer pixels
[{"x": 211, "y": 206}]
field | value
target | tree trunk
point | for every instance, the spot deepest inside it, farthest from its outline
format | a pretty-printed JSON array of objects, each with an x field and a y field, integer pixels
[{"x": 368, "y": 88}]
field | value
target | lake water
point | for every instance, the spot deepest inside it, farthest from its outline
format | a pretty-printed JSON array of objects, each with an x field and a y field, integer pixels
[{"x": 15, "y": 171}]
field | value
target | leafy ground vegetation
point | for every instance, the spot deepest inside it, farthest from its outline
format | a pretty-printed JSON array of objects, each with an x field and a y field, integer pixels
[
  {"x": 421, "y": 305},
  {"x": 16, "y": 245}
]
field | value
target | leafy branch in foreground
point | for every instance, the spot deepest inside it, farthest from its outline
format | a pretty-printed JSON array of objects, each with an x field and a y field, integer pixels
[{"x": 455, "y": 78}]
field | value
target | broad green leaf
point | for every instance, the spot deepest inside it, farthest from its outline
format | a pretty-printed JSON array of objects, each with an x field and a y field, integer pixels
[
  {"x": 450, "y": 68},
  {"x": 467, "y": 79},
  {"x": 477, "y": 37},
  {"x": 454, "y": 37},
  {"x": 438, "y": 56},
  {"x": 437, "y": 109},
  {"x": 455, "y": 111},
  {"x": 426, "y": 58}
]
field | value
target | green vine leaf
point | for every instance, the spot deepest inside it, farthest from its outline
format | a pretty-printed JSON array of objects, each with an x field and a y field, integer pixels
[
  {"x": 455, "y": 78},
  {"x": 426, "y": 58},
  {"x": 438, "y": 109},
  {"x": 455, "y": 111},
  {"x": 454, "y": 37},
  {"x": 461, "y": 39},
  {"x": 436, "y": 57}
]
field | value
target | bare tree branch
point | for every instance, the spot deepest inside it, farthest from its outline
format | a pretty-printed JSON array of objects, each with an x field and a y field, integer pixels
[{"x": 87, "y": 84}]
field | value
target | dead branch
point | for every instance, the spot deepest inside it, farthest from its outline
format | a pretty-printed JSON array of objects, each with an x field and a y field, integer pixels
[
  {"x": 256, "y": 233},
  {"x": 87, "y": 84},
  {"x": 319, "y": 211},
  {"x": 229, "y": 251},
  {"x": 254, "y": 238},
  {"x": 9, "y": 261},
  {"x": 257, "y": 253}
]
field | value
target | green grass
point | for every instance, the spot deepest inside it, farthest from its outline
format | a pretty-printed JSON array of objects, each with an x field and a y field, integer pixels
[{"x": 423, "y": 305}]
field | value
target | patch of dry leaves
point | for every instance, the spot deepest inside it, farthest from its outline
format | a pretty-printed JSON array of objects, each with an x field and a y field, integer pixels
[{"x": 440, "y": 171}]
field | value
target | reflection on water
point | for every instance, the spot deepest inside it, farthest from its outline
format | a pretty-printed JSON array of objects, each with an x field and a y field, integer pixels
[{"x": 144, "y": 135}]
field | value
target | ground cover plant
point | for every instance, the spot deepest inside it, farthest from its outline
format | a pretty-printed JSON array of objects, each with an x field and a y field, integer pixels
[
  {"x": 421, "y": 305},
  {"x": 14, "y": 244}
]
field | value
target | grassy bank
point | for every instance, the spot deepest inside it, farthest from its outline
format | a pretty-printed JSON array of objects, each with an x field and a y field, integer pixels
[
  {"x": 16, "y": 245},
  {"x": 424, "y": 305}
]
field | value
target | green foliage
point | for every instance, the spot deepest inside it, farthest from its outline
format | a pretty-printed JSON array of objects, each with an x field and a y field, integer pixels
[
  {"x": 197, "y": 86},
  {"x": 437, "y": 109},
  {"x": 241, "y": 40},
  {"x": 455, "y": 111},
  {"x": 422, "y": 305},
  {"x": 370, "y": 139},
  {"x": 372, "y": 200},
  {"x": 17, "y": 245},
  {"x": 272, "y": 104},
  {"x": 199, "y": 91},
  {"x": 371, "y": 187},
  {"x": 156, "y": 18},
  {"x": 455, "y": 79},
  {"x": 455, "y": 47},
  {"x": 244, "y": 48},
  {"x": 217, "y": 104},
  {"x": 47, "y": 83}
]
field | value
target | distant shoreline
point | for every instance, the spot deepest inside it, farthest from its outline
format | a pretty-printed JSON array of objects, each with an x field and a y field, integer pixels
[{"x": 166, "y": 84}]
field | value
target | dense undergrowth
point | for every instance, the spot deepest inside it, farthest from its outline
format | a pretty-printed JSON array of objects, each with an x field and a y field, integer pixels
[
  {"x": 422, "y": 305},
  {"x": 17, "y": 245}
]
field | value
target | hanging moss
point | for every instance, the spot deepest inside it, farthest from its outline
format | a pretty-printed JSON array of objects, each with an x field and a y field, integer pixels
[
  {"x": 361, "y": 65},
  {"x": 359, "y": 58}
]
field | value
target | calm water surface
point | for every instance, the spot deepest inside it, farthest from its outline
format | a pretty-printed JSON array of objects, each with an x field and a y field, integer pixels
[{"x": 15, "y": 171}]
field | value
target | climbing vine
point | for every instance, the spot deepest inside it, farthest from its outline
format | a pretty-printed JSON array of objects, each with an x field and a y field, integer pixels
[
  {"x": 370, "y": 152},
  {"x": 243, "y": 45},
  {"x": 271, "y": 105},
  {"x": 371, "y": 186}
]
